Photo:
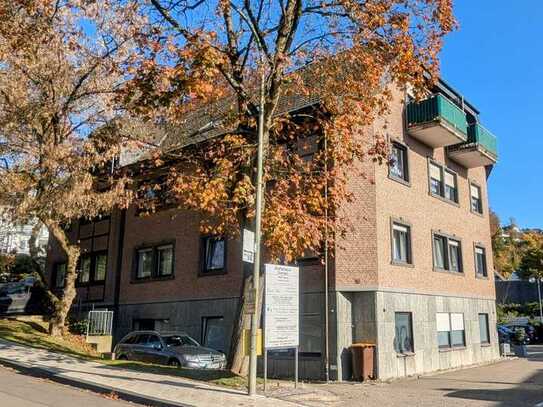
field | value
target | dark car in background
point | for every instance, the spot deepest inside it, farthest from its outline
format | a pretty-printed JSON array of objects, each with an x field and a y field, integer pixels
[{"x": 173, "y": 349}]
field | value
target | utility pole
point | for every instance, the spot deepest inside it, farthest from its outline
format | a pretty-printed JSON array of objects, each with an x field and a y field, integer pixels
[{"x": 258, "y": 225}]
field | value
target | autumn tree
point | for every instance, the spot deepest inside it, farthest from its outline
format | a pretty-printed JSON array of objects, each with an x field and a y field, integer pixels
[
  {"x": 531, "y": 264},
  {"x": 61, "y": 64},
  {"x": 318, "y": 72}
]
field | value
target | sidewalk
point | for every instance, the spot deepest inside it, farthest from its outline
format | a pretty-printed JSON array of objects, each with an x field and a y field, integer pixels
[{"x": 145, "y": 388}]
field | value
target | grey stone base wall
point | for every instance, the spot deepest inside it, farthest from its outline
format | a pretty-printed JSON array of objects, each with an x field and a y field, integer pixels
[
  {"x": 185, "y": 316},
  {"x": 370, "y": 317},
  {"x": 428, "y": 357},
  {"x": 188, "y": 316}
]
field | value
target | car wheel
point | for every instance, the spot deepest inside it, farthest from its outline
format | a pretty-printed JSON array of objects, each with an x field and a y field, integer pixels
[
  {"x": 122, "y": 357},
  {"x": 174, "y": 363}
]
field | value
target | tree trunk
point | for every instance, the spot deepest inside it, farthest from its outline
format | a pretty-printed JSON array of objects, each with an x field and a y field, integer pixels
[{"x": 57, "y": 323}]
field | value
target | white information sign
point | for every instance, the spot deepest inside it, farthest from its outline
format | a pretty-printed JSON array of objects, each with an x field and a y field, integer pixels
[
  {"x": 248, "y": 254},
  {"x": 282, "y": 301}
]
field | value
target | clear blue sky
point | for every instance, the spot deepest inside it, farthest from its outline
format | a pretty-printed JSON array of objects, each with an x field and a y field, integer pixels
[{"x": 496, "y": 60}]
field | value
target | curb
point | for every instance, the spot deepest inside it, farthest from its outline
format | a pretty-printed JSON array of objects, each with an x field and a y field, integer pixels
[{"x": 125, "y": 395}]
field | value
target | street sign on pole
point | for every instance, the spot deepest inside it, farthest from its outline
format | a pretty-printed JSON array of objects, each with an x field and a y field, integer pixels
[
  {"x": 248, "y": 254},
  {"x": 282, "y": 312},
  {"x": 282, "y": 301}
]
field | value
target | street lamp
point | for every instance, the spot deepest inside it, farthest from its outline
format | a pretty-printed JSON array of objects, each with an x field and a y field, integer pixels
[{"x": 533, "y": 280}]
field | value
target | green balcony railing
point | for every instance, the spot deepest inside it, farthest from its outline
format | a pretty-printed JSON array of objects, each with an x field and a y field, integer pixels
[
  {"x": 484, "y": 138},
  {"x": 435, "y": 108}
]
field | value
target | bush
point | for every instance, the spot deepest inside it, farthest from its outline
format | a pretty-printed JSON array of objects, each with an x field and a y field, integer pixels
[{"x": 77, "y": 326}]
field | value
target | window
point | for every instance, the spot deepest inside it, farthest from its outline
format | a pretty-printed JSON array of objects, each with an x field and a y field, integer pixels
[
  {"x": 165, "y": 260},
  {"x": 214, "y": 333},
  {"x": 443, "y": 182},
  {"x": 483, "y": 328},
  {"x": 436, "y": 180},
  {"x": 60, "y": 275},
  {"x": 480, "y": 261},
  {"x": 401, "y": 243},
  {"x": 100, "y": 267},
  {"x": 311, "y": 334},
  {"x": 447, "y": 253},
  {"x": 450, "y": 330},
  {"x": 213, "y": 254},
  {"x": 398, "y": 162},
  {"x": 84, "y": 276},
  {"x": 476, "y": 201},
  {"x": 145, "y": 263},
  {"x": 403, "y": 339},
  {"x": 93, "y": 268},
  {"x": 155, "y": 262},
  {"x": 451, "y": 189},
  {"x": 455, "y": 256}
]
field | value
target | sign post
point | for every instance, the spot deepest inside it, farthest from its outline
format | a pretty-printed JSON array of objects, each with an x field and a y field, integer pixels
[{"x": 282, "y": 312}]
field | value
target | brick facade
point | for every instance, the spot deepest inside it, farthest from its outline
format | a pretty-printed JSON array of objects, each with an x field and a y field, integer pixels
[{"x": 362, "y": 262}]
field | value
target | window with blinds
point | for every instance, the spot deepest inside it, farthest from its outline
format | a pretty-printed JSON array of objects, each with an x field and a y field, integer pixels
[
  {"x": 443, "y": 182},
  {"x": 450, "y": 330},
  {"x": 480, "y": 262},
  {"x": 475, "y": 197},
  {"x": 401, "y": 243},
  {"x": 447, "y": 253}
]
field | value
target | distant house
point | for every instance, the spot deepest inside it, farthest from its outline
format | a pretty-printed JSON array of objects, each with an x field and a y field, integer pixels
[{"x": 14, "y": 238}]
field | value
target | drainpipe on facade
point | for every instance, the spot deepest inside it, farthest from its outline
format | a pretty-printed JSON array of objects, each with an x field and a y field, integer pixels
[{"x": 119, "y": 268}]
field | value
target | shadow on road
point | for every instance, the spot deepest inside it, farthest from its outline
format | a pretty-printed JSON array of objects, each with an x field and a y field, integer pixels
[{"x": 527, "y": 392}]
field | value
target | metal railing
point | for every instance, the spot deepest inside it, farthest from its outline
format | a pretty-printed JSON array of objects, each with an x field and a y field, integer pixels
[
  {"x": 434, "y": 108},
  {"x": 100, "y": 323}
]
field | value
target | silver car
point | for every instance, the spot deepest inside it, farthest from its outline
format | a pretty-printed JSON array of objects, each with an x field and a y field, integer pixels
[{"x": 173, "y": 349}]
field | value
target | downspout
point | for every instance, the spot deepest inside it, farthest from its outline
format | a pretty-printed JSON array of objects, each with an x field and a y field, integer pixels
[
  {"x": 119, "y": 267},
  {"x": 326, "y": 289}
]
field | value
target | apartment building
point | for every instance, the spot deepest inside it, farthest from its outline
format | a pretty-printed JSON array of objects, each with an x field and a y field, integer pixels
[{"x": 413, "y": 275}]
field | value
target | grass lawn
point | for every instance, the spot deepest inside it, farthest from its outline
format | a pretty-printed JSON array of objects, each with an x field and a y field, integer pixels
[{"x": 35, "y": 334}]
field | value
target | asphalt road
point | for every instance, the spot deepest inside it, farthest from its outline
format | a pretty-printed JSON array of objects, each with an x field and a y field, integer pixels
[
  {"x": 17, "y": 390},
  {"x": 510, "y": 383}
]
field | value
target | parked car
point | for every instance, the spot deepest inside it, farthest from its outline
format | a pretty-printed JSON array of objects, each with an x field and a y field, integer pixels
[
  {"x": 173, "y": 349},
  {"x": 505, "y": 334},
  {"x": 528, "y": 330}
]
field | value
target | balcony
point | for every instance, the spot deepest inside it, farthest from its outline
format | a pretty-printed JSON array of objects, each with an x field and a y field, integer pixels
[
  {"x": 437, "y": 122},
  {"x": 479, "y": 151}
]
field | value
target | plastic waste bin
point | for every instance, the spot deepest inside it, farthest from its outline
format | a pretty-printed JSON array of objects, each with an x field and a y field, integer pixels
[{"x": 363, "y": 355}]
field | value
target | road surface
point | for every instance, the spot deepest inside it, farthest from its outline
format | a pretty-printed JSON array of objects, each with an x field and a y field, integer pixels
[{"x": 18, "y": 390}]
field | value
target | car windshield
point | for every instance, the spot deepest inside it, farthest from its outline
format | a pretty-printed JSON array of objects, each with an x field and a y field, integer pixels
[{"x": 180, "y": 340}]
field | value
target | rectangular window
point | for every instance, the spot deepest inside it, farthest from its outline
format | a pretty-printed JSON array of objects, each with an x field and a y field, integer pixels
[
  {"x": 213, "y": 254},
  {"x": 60, "y": 275},
  {"x": 100, "y": 264},
  {"x": 440, "y": 259},
  {"x": 145, "y": 263},
  {"x": 398, "y": 162},
  {"x": 447, "y": 254},
  {"x": 403, "y": 340},
  {"x": 457, "y": 330},
  {"x": 165, "y": 260},
  {"x": 450, "y": 330},
  {"x": 84, "y": 274},
  {"x": 214, "y": 333},
  {"x": 436, "y": 180},
  {"x": 443, "y": 330},
  {"x": 451, "y": 188},
  {"x": 480, "y": 261},
  {"x": 155, "y": 262},
  {"x": 455, "y": 256},
  {"x": 401, "y": 243},
  {"x": 476, "y": 201},
  {"x": 483, "y": 328},
  {"x": 443, "y": 182}
]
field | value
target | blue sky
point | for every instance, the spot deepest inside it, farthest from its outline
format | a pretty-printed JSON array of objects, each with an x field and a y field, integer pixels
[{"x": 496, "y": 60}]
